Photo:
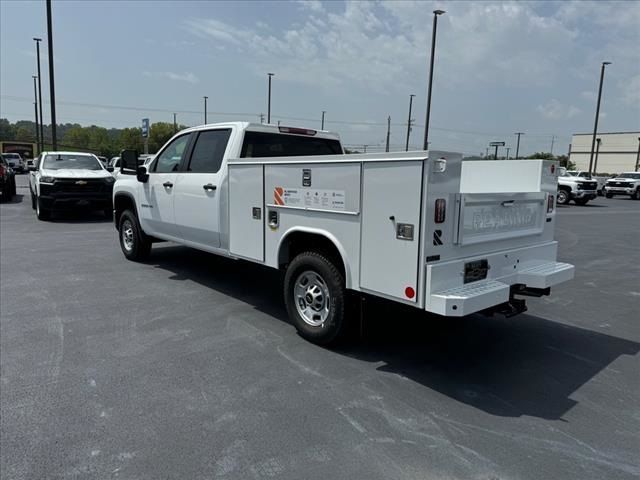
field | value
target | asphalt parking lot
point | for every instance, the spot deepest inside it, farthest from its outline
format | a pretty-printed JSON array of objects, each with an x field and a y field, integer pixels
[{"x": 185, "y": 367}]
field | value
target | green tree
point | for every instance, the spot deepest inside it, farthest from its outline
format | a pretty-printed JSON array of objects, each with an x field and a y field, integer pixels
[
  {"x": 7, "y": 131},
  {"x": 130, "y": 138},
  {"x": 160, "y": 133}
]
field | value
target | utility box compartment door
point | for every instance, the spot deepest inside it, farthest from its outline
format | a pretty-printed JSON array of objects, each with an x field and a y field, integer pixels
[
  {"x": 246, "y": 211},
  {"x": 390, "y": 238}
]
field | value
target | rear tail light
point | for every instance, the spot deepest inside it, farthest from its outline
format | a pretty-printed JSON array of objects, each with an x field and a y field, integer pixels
[
  {"x": 297, "y": 131},
  {"x": 441, "y": 207},
  {"x": 550, "y": 203}
]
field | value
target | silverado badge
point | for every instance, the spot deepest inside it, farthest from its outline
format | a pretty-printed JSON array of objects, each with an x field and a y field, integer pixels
[{"x": 81, "y": 182}]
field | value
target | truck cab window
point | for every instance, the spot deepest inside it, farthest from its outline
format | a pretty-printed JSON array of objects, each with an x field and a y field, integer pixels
[
  {"x": 261, "y": 144},
  {"x": 208, "y": 151},
  {"x": 169, "y": 160}
]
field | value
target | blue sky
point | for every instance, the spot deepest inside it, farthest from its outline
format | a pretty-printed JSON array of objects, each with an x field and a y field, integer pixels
[{"x": 500, "y": 67}]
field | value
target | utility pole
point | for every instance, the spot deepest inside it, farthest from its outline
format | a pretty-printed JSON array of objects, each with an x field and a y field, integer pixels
[
  {"x": 322, "y": 127},
  {"x": 518, "y": 144},
  {"x": 175, "y": 126},
  {"x": 508, "y": 148},
  {"x": 595, "y": 126},
  {"x": 205, "y": 109},
  {"x": 595, "y": 164},
  {"x": 54, "y": 138},
  {"x": 433, "y": 54},
  {"x": 35, "y": 105},
  {"x": 41, "y": 147},
  {"x": 406, "y": 147},
  {"x": 553, "y": 139},
  {"x": 269, "y": 100},
  {"x": 388, "y": 132}
]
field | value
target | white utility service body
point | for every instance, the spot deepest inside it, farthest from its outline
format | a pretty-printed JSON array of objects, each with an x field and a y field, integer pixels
[
  {"x": 379, "y": 212},
  {"x": 421, "y": 228}
]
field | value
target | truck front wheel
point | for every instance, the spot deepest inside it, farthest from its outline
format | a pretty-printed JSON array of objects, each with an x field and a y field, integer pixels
[
  {"x": 563, "y": 196},
  {"x": 314, "y": 294},
  {"x": 133, "y": 241}
]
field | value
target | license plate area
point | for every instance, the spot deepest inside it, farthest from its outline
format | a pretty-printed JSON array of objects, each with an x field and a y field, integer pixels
[{"x": 476, "y": 270}]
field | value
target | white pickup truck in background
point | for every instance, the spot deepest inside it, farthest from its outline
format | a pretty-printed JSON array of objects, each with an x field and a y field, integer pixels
[{"x": 420, "y": 228}]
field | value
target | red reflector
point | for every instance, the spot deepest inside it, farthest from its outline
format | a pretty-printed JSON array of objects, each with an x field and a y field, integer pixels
[
  {"x": 441, "y": 207},
  {"x": 409, "y": 292},
  {"x": 550, "y": 204},
  {"x": 297, "y": 131},
  {"x": 553, "y": 168}
]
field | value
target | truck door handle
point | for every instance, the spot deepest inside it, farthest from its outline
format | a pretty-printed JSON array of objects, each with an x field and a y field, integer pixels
[
  {"x": 508, "y": 203},
  {"x": 167, "y": 184},
  {"x": 209, "y": 187}
]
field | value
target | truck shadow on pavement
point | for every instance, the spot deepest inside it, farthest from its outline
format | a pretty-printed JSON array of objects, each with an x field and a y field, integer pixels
[{"x": 525, "y": 365}]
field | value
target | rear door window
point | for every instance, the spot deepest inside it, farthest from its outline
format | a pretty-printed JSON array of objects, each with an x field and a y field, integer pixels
[
  {"x": 261, "y": 144},
  {"x": 208, "y": 151}
]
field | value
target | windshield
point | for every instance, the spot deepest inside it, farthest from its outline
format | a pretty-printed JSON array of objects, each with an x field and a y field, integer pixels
[
  {"x": 72, "y": 161},
  {"x": 11, "y": 156},
  {"x": 635, "y": 176}
]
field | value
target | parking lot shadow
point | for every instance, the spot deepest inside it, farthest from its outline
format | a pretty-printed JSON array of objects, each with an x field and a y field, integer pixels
[
  {"x": 79, "y": 217},
  {"x": 525, "y": 365}
]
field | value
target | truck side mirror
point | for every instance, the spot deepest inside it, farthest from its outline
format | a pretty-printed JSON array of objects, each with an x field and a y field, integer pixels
[
  {"x": 129, "y": 161},
  {"x": 141, "y": 174},
  {"x": 109, "y": 169}
]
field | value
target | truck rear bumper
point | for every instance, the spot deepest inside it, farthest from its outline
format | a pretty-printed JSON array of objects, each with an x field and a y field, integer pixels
[{"x": 506, "y": 270}]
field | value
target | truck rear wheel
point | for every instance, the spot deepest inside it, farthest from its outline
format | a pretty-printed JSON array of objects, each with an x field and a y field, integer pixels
[
  {"x": 314, "y": 294},
  {"x": 636, "y": 194},
  {"x": 133, "y": 241}
]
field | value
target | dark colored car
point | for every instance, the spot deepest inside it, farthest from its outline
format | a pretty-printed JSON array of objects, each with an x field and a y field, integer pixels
[{"x": 7, "y": 180}]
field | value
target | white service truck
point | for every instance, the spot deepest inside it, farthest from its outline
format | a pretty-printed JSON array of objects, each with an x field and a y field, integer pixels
[{"x": 420, "y": 228}]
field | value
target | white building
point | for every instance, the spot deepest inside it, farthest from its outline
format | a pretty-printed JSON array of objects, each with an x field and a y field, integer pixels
[{"x": 618, "y": 152}]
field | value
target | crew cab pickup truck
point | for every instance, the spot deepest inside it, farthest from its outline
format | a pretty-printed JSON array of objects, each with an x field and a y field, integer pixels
[
  {"x": 578, "y": 189},
  {"x": 70, "y": 181},
  {"x": 627, "y": 183},
  {"x": 581, "y": 173},
  {"x": 420, "y": 228}
]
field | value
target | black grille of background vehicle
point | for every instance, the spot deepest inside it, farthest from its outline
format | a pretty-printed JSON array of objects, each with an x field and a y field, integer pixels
[
  {"x": 588, "y": 185},
  {"x": 620, "y": 184},
  {"x": 72, "y": 186}
]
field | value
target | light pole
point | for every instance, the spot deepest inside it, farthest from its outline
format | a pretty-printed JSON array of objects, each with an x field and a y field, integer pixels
[
  {"x": 269, "y": 99},
  {"x": 595, "y": 164},
  {"x": 406, "y": 148},
  {"x": 54, "y": 139},
  {"x": 175, "y": 127},
  {"x": 595, "y": 125},
  {"x": 638, "y": 156},
  {"x": 38, "y": 40},
  {"x": 322, "y": 127},
  {"x": 35, "y": 105},
  {"x": 436, "y": 13},
  {"x": 205, "y": 109},
  {"x": 518, "y": 144}
]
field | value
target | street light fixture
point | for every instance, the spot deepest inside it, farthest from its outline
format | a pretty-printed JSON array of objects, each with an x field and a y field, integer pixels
[
  {"x": 269, "y": 99},
  {"x": 436, "y": 13},
  {"x": 595, "y": 126},
  {"x": 406, "y": 148}
]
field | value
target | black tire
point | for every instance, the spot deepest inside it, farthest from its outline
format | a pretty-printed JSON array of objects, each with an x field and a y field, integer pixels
[
  {"x": 41, "y": 212},
  {"x": 135, "y": 245},
  {"x": 322, "y": 278},
  {"x": 14, "y": 189},
  {"x": 636, "y": 194},
  {"x": 563, "y": 197},
  {"x": 609, "y": 195},
  {"x": 581, "y": 201},
  {"x": 6, "y": 193},
  {"x": 33, "y": 200}
]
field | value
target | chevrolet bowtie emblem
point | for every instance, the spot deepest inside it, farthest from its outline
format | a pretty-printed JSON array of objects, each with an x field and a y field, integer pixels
[{"x": 81, "y": 182}]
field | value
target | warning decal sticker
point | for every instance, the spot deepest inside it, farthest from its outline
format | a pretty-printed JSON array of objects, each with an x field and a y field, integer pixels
[{"x": 309, "y": 198}]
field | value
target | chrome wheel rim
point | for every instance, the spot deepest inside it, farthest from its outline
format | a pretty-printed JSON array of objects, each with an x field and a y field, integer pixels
[
  {"x": 562, "y": 196},
  {"x": 127, "y": 235},
  {"x": 312, "y": 299}
]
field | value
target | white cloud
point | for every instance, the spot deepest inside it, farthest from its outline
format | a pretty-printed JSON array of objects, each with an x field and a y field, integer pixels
[
  {"x": 554, "y": 110},
  {"x": 180, "y": 77}
]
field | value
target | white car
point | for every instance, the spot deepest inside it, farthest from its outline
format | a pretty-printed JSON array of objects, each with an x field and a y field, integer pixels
[
  {"x": 627, "y": 183},
  {"x": 70, "y": 180},
  {"x": 14, "y": 160}
]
